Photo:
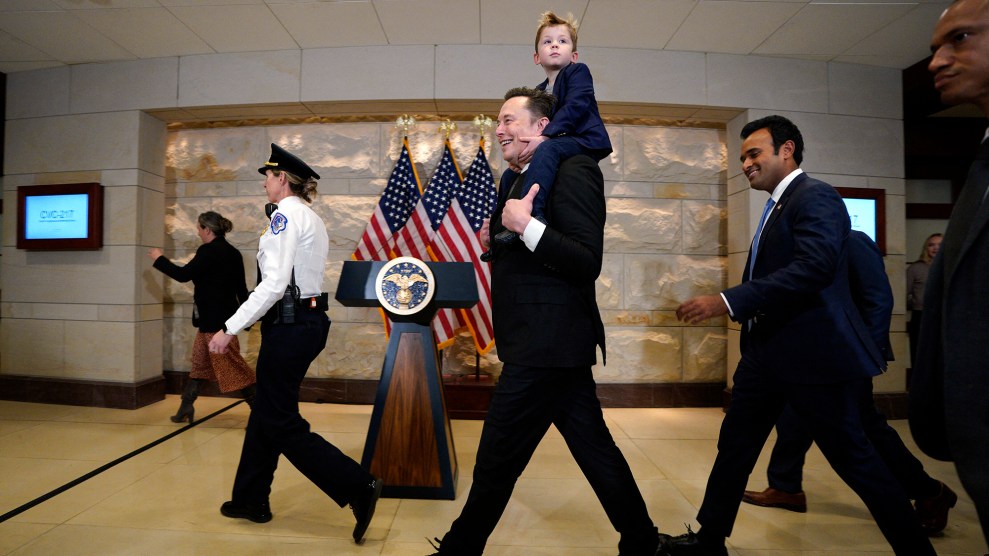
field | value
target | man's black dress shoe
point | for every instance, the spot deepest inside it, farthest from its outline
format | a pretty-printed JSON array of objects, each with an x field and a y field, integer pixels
[
  {"x": 933, "y": 511},
  {"x": 363, "y": 508},
  {"x": 690, "y": 544},
  {"x": 258, "y": 513}
]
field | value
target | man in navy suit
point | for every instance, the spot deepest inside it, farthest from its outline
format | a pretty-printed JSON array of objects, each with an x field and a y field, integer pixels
[
  {"x": 949, "y": 411},
  {"x": 874, "y": 299},
  {"x": 803, "y": 343}
]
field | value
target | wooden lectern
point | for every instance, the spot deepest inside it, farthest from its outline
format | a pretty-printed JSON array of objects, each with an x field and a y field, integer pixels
[{"x": 409, "y": 442}]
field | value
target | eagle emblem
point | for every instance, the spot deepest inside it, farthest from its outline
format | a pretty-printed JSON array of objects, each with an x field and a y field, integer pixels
[{"x": 405, "y": 285}]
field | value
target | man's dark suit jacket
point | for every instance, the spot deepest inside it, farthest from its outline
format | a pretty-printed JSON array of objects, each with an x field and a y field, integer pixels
[
  {"x": 576, "y": 113},
  {"x": 217, "y": 272},
  {"x": 870, "y": 289},
  {"x": 544, "y": 304},
  {"x": 807, "y": 328},
  {"x": 948, "y": 386}
]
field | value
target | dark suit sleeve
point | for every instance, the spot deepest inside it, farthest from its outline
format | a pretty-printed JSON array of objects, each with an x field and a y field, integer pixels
[
  {"x": 870, "y": 288},
  {"x": 573, "y": 243},
  {"x": 817, "y": 226},
  {"x": 574, "y": 106}
]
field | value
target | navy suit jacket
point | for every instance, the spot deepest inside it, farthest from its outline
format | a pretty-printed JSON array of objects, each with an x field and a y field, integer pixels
[
  {"x": 576, "y": 113},
  {"x": 870, "y": 289},
  {"x": 806, "y": 328}
]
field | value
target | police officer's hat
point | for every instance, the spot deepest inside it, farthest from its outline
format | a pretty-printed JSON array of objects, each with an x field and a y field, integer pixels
[{"x": 284, "y": 160}]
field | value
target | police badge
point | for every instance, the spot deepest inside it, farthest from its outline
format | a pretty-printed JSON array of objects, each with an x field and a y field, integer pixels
[{"x": 405, "y": 286}]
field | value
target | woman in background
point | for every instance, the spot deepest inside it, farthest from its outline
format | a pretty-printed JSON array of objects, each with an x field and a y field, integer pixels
[
  {"x": 217, "y": 274},
  {"x": 916, "y": 279}
]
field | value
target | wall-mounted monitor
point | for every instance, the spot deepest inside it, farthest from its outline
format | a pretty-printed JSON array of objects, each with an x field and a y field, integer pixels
[
  {"x": 867, "y": 211},
  {"x": 60, "y": 217}
]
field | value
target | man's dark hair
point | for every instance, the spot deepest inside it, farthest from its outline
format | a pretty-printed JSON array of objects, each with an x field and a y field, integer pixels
[
  {"x": 782, "y": 130},
  {"x": 539, "y": 102}
]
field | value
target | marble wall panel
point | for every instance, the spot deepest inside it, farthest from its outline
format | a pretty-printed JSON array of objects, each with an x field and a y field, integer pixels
[
  {"x": 642, "y": 355},
  {"x": 704, "y": 354},
  {"x": 705, "y": 230},
  {"x": 673, "y": 155},
  {"x": 338, "y": 150},
  {"x": 209, "y": 155},
  {"x": 665, "y": 281},
  {"x": 642, "y": 226},
  {"x": 610, "y": 283}
]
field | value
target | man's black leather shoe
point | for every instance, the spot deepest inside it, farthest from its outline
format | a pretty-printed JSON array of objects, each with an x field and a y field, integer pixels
[
  {"x": 363, "y": 508},
  {"x": 258, "y": 513},
  {"x": 689, "y": 544}
]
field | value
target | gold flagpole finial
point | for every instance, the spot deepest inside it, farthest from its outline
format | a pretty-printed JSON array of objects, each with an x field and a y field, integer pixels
[
  {"x": 482, "y": 123},
  {"x": 405, "y": 123},
  {"x": 447, "y": 127}
]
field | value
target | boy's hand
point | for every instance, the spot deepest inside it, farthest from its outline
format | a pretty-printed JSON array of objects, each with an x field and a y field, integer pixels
[{"x": 532, "y": 142}]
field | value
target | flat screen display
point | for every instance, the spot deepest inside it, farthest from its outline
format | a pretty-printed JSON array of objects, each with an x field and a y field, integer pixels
[
  {"x": 867, "y": 211},
  {"x": 59, "y": 217},
  {"x": 56, "y": 216},
  {"x": 862, "y": 213}
]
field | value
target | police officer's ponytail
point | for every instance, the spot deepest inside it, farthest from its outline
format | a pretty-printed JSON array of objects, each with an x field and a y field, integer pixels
[
  {"x": 305, "y": 190},
  {"x": 216, "y": 223}
]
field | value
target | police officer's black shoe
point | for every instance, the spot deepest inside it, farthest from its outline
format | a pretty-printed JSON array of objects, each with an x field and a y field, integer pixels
[
  {"x": 258, "y": 513},
  {"x": 363, "y": 508}
]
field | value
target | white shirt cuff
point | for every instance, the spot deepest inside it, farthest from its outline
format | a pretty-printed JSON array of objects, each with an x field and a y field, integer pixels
[
  {"x": 725, "y": 299},
  {"x": 533, "y": 233}
]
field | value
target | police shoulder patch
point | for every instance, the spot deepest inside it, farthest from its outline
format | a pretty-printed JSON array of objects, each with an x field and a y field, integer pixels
[{"x": 278, "y": 223}]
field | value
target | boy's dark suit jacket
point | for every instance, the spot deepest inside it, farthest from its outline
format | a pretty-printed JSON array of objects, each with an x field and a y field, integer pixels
[
  {"x": 807, "y": 329},
  {"x": 544, "y": 305},
  {"x": 576, "y": 113}
]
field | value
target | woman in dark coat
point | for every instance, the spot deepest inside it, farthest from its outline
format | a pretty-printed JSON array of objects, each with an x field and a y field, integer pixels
[{"x": 217, "y": 273}]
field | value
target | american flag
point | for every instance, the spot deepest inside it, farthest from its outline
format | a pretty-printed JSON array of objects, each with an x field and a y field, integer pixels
[
  {"x": 414, "y": 239},
  {"x": 399, "y": 198},
  {"x": 457, "y": 240}
]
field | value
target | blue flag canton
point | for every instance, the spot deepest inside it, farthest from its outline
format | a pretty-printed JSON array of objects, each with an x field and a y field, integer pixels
[
  {"x": 401, "y": 194},
  {"x": 477, "y": 195},
  {"x": 436, "y": 199}
]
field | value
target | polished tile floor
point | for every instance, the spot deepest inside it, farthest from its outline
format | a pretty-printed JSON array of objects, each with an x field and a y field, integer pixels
[{"x": 166, "y": 499}]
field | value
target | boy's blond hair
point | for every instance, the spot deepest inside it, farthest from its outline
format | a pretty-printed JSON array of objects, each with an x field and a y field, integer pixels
[{"x": 550, "y": 19}]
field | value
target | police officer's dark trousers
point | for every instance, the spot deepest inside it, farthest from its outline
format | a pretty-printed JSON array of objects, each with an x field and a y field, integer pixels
[{"x": 276, "y": 427}]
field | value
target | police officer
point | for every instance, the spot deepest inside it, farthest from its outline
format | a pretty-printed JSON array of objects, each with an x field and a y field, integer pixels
[{"x": 288, "y": 300}]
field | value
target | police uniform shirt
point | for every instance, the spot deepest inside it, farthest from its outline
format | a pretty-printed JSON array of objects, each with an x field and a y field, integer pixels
[{"x": 295, "y": 238}]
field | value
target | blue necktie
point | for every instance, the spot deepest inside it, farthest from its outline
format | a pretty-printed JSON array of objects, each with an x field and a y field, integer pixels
[{"x": 758, "y": 233}]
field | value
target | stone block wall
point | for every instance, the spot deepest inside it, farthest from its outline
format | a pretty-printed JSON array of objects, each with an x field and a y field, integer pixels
[{"x": 665, "y": 237}]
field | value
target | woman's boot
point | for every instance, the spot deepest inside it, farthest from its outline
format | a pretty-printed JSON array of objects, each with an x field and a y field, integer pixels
[
  {"x": 188, "y": 398},
  {"x": 248, "y": 394}
]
